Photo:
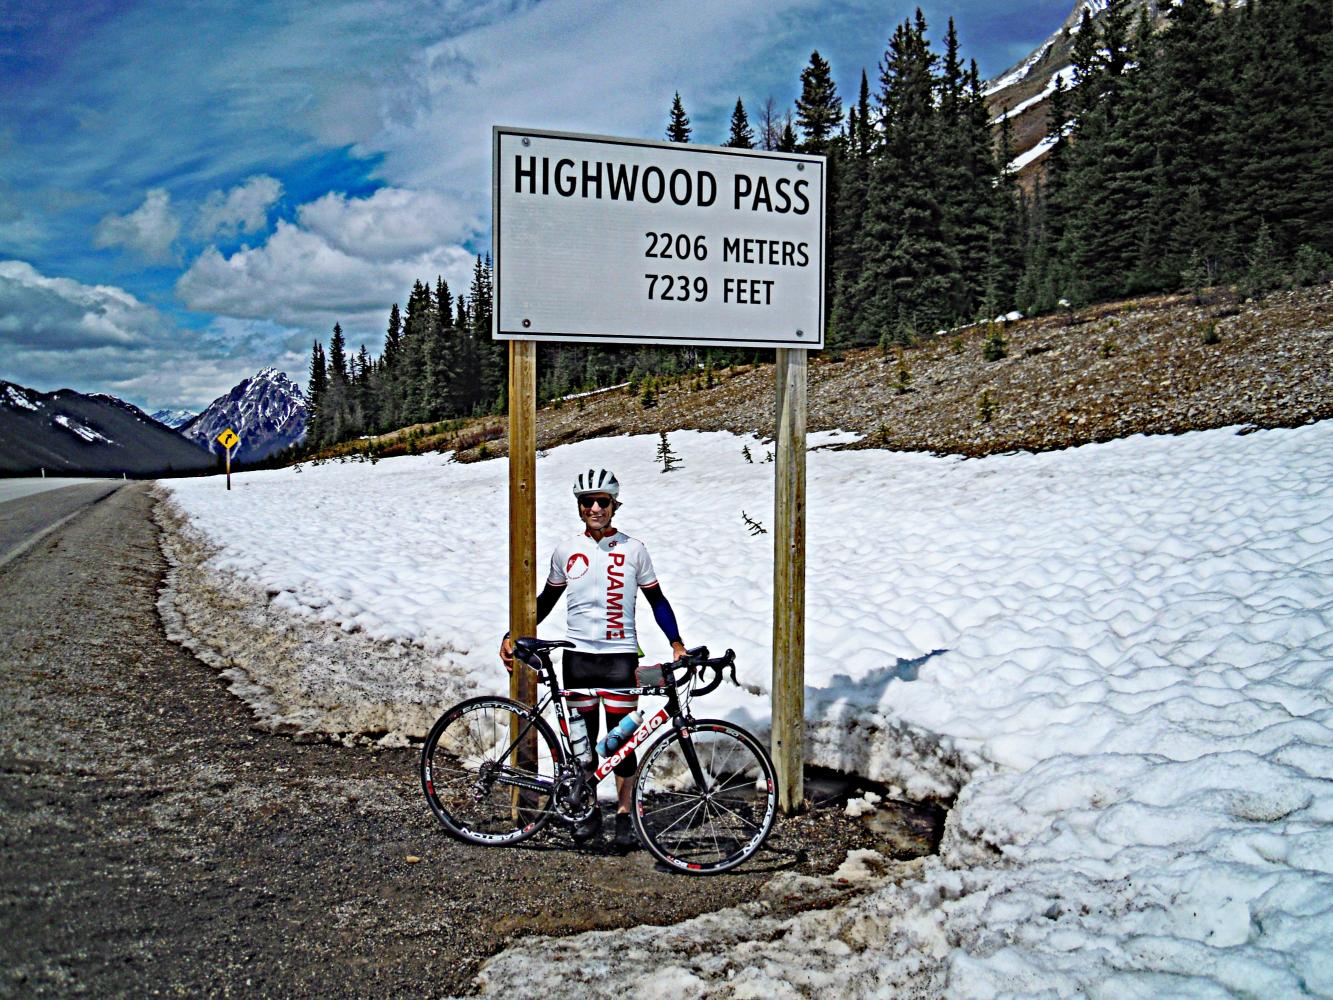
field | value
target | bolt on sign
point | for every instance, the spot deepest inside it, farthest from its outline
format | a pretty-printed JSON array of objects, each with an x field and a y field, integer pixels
[{"x": 606, "y": 240}]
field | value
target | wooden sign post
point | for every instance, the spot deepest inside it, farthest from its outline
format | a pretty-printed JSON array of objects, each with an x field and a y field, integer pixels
[
  {"x": 788, "y": 741},
  {"x": 523, "y": 530},
  {"x": 523, "y": 505}
]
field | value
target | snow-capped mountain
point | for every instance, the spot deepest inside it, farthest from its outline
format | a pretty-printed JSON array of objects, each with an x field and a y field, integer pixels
[
  {"x": 69, "y": 433},
  {"x": 175, "y": 419},
  {"x": 1021, "y": 93},
  {"x": 267, "y": 412}
]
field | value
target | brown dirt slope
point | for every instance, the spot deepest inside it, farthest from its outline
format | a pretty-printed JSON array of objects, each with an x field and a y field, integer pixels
[{"x": 1155, "y": 365}]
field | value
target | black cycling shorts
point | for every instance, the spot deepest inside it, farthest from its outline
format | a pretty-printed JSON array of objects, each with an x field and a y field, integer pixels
[{"x": 599, "y": 670}]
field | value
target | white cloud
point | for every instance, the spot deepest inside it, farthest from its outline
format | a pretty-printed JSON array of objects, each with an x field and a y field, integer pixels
[
  {"x": 37, "y": 312},
  {"x": 391, "y": 224},
  {"x": 301, "y": 278},
  {"x": 149, "y": 230},
  {"x": 57, "y": 332},
  {"x": 243, "y": 209},
  {"x": 584, "y": 66}
]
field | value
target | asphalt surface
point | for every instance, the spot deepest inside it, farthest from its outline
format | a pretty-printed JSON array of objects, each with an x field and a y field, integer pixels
[
  {"x": 156, "y": 843},
  {"x": 29, "y": 508}
]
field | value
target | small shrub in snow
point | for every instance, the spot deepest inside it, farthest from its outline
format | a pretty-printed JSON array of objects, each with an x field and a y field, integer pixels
[
  {"x": 755, "y": 527},
  {"x": 745, "y": 450},
  {"x": 669, "y": 459}
]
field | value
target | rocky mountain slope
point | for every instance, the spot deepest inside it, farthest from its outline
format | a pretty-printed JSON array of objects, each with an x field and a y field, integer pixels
[
  {"x": 1022, "y": 92},
  {"x": 267, "y": 411},
  {"x": 68, "y": 433}
]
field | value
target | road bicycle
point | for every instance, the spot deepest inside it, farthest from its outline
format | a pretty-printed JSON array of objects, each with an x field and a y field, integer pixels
[{"x": 495, "y": 772}]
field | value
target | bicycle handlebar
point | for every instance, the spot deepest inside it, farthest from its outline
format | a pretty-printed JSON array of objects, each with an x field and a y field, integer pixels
[{"x": 697, "y": 660}]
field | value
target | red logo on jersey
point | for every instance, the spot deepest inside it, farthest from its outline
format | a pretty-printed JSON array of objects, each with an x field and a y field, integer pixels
[{"x": 577, "y": 559}]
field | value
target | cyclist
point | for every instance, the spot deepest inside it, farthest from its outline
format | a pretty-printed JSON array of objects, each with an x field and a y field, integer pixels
[{"x": 602, "y": 571}]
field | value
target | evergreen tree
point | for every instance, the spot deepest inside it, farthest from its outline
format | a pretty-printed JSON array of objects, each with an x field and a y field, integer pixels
[
  {"x": 1194, "y": 96},
  {"x": 909, "y": 280},
  {"x": 338, "y": 356},
  {"x": 742, "y": 136},
  {"x": 1100, "y": 184},
  {"x": 418, "y": 323},
  {"x": 1280, "y": 169},
  {"x": 865, "y": 125},
  {"x": 316, "y": 390},
  {"x": 493, "y": 362},
  {"x": 336, "y": 416},
  {"x": 818, "y": 110},
  {"x": 770, "y": 126},
  {"x": 389, "y": 405},
  {"x": 438, "y": 376},
  {"x": 678, "y": 126},
  {"x": 787, "y": 141}
]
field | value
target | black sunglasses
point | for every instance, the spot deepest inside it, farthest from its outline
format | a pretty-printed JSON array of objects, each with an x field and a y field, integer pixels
[{"x": 602, "y": 502}]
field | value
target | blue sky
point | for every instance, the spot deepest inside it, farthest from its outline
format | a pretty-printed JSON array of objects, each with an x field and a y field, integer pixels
[{"x": 191, "y": 192}]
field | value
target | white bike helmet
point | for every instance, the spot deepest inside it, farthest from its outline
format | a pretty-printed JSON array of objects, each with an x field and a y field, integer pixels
[{"x": 597, "y": 481}]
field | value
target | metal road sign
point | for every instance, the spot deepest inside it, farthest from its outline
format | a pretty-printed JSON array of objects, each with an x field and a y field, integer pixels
[
  {"x": 228, "y": 439},
  {"x": 605, "y": 240}
]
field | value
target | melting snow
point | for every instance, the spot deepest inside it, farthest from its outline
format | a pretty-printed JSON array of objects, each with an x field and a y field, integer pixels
[
  {"x": 1066, "y": 74},
  {"x": 1118, "y": 657},
  {"x": 1023, "y": 159},
  {"x": 1009, "y": 79}
]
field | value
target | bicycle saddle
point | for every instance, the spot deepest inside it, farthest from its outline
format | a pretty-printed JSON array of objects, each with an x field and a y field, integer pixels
[{"x": 534, "y": 646}]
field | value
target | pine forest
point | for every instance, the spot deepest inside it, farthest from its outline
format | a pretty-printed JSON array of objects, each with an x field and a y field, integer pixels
[{"x": 1186, "y": 152}]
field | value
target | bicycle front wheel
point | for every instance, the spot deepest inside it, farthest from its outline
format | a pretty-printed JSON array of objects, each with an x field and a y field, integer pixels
[
  {"x": 488, "y": 771},
  {"x": 705, "y": 798}
]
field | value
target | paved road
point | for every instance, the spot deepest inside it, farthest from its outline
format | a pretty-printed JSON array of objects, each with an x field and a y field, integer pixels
[
  {"x": 29, "y": 510},
  {"x": 153, "y": 841},
  {"x": 13, "y": 488}
]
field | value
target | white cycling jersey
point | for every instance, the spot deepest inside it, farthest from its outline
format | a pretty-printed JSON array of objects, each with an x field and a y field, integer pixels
[{"x": 602, "y": 578}]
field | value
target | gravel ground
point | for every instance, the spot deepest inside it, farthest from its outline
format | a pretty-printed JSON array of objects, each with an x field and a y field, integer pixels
[{"x": 155, "y": 843}]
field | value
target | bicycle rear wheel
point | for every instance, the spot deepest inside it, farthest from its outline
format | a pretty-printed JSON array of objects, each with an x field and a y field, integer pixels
[
  {"x": 488, "y": 771},
  {"x": 710, "y": 829}
]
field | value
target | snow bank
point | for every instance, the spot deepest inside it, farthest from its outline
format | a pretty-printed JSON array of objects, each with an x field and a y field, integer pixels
[{"x": 1118, "y": 657}]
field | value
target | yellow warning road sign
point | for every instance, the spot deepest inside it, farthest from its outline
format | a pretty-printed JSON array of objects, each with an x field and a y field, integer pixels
[{"x": 228, "y": 438}]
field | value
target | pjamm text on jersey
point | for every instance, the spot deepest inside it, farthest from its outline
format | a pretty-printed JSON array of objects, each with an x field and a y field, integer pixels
[{"x": 605, "y": 180}]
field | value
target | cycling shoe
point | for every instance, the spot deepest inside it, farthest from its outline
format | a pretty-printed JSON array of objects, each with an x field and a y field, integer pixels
[
  {"x": 625, "y": 835},
  {"x": 589, "y": 829}
]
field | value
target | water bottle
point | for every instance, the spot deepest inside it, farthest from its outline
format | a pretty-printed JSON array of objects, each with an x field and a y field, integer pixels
[
  {"x": 616, "y": 738},
  {"x": 578, "y": 738}
]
